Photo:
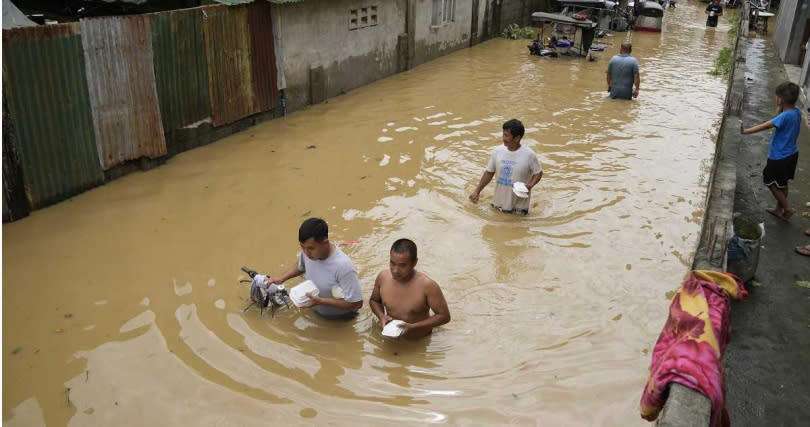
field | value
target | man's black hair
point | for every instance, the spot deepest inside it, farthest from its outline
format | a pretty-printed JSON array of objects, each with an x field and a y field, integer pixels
[
  {"x": 405, "y": 245},
  {"x": 515, "y": 127},
  {"x": 313, "y": 228},
  {"x": 789, "y": 92}
]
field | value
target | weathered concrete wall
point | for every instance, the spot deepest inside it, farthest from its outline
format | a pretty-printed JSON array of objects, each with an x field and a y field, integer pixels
[
  {"x": 789, "y": 29},
  {"x": 514, "y": 12},
  {"x": 483, "y": 31},
  {"x": 320, "y": 51},
  {"x": 432, "y": 41},
  {"x": 506, "y": 12}
]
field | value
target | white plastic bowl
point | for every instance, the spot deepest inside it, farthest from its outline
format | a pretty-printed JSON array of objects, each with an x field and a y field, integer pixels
[
  {"x": 520, "y": 190},
  {"x": 392, "y": 329}
]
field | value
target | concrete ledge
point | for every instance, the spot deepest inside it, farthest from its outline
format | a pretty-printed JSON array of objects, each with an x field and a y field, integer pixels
[{"x": 684, "y": 406}]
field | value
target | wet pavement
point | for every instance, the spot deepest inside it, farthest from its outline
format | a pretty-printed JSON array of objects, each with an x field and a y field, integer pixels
[
  {"x": 121, "y": 305},
  {"x": 769, "y": 352}
]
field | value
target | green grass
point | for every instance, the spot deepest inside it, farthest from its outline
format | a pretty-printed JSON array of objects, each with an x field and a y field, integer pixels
[
  {"x": 734, "y": 22},
  {"x": 722, "y": 65}
]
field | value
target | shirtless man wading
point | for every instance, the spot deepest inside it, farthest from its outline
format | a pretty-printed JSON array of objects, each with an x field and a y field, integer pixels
[{"x": 405, "y": 294}]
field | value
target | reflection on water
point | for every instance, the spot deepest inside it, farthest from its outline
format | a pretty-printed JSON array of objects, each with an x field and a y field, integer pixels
[{"x": 128, "y": 294}]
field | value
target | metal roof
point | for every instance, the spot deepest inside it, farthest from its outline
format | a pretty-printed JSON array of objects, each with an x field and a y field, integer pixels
[
  {"x": 561, "y": 19},
  {"x": 233, "y": 2},
  {"x": 238, "y": 2}
]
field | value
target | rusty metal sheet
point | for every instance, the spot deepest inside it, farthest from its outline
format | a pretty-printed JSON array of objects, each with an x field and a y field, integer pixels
[
  {"x": 227, "y": 45},
  {"x": 262, "y": 56},
  {"x": 123, "y": 95},
  {"x": 46, "y": 91},
  {"x": 181, "y": 71}
]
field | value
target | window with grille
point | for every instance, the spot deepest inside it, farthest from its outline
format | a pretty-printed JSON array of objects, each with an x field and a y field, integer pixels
[{"x": 363, "y": 17}]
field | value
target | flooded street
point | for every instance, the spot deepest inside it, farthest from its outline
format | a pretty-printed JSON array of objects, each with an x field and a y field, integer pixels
[{"x": 125, "y": 304}]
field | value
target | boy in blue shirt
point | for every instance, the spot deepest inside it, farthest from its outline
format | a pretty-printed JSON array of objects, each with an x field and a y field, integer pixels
[{"x": 783, "y": 153}]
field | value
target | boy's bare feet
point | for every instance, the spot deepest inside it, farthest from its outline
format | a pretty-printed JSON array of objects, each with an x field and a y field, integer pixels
[
  {"x": 787, "y": 213},
  {"x": 777, "y": 212},
  {"x": 807, "y": 232},
  {"x": 803, "y": 250}
]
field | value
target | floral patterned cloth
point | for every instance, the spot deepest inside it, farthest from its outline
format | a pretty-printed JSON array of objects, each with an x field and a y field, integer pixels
[{"x": 690, "y": 349}]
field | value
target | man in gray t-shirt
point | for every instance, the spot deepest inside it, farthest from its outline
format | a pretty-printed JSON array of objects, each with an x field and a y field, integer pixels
[
  {"x": 623, "y": 80},
  {"x": 339, "y": 292}
]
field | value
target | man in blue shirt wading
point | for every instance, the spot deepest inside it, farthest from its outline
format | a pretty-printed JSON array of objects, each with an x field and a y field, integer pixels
[
  {"x": 623, "y": 80},
  {"x": 783, "y": 153}
]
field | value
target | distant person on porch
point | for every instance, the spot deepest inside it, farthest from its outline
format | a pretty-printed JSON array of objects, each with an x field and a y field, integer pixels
[
  {"x": 623, "y": 80},
  {"x": 714, "y": 11}
]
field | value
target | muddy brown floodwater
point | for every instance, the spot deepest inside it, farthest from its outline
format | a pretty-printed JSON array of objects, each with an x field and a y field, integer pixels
[{"x": 121, "y": 306}]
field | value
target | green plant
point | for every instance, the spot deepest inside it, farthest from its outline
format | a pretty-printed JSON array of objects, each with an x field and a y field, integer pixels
[
  {"x": 514, "y": 32},
  {"x": 722, "y": 65},
  {"x": 734, "y": 23}
]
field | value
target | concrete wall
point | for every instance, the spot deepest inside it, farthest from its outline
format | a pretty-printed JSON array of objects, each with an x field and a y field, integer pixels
[
  {"x": 514, "y": 12},
  {"x": 433, "y": 41},
  {"x": 322, "y": 58},
  {"x": 506, "y": 12},
  {"x": 789, "y": 29}
]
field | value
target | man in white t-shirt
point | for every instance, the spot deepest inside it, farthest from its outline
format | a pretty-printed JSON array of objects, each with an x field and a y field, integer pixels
[
  {"x": 511, "y": 163},
  {"x": 329, "y": 268}
]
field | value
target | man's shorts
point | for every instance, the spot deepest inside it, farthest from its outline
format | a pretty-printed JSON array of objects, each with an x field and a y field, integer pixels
[
  {"x": 523, "y": 212},
  {"x": 333, "y": 313},
  {"x": 778, "y": 172}
]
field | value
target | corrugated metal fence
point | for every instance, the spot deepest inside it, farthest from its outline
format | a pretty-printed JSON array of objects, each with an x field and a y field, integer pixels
[
  {"x": 180, "y": 67},
  {"x": 46, "y": 90},
  {"x": 227, "y": 44},
  {"x": 85, "y": 97},
  {"x": 262, "y": 55},
  {"x": 121, "y": 79}
]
